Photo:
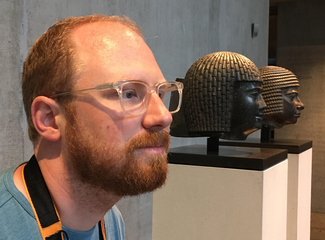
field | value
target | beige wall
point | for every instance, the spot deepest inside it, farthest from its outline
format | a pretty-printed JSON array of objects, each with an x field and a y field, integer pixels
[
  {"x": 301, "y": 49},
  {"x": 178, "y": 31}
]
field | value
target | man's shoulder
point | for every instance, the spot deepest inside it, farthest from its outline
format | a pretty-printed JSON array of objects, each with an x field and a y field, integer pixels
[
  {"x": 10, "y": 197},
  {"x": 6, "y": 177},
  {"x": 114, "y": 224},
  {"x": 16, "y": 220}
]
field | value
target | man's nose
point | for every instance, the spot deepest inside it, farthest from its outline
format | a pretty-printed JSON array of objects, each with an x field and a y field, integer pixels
[{"x": 157, "y": 116}]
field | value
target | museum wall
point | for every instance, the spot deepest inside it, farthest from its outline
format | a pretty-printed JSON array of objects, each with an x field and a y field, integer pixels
[
  {"x": 178, "y": 31},
  {"x": 301, "y": 49}
]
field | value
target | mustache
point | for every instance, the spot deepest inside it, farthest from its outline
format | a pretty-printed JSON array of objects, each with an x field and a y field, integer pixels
[{"x": 149, "y": 139}]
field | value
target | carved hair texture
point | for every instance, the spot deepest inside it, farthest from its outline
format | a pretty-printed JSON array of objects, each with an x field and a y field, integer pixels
[
  {"x": 208, "y": 90},
  {"x": 274, "y": 79}
]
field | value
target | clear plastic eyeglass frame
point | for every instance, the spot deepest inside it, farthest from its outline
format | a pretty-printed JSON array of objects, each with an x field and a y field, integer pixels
[{"x": 133, "y": 94}]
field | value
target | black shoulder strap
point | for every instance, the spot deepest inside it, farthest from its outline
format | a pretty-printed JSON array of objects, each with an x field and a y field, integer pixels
[{"x": 39, "y": 197}]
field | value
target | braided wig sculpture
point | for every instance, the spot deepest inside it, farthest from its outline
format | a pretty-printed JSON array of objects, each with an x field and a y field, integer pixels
[
  {"x": 281, "y": 96},
  {"x": 222, "y": 98}
]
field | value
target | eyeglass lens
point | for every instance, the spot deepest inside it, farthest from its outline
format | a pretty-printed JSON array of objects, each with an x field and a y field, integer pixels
[{"x": 133, "y": 96}]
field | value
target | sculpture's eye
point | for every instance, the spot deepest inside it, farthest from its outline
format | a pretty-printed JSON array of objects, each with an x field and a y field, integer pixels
[
  {"x": 292, "y": 96},
  {"x": 255, "y": 95}
]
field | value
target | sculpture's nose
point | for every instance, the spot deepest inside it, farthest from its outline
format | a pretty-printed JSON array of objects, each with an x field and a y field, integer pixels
[{"x": 300, "y": 105}]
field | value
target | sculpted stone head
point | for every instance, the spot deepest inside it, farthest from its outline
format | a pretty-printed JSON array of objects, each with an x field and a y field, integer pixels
[
  {"x": 281, "y": 96},
  {"x": 222, "y": 98}
]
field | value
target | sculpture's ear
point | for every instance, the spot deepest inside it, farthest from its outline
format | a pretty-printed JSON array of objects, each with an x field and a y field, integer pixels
[{"x": 45, "y": 113}]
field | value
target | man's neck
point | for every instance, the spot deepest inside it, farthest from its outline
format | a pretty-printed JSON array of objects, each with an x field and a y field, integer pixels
[{"x": 80, "y": 206}]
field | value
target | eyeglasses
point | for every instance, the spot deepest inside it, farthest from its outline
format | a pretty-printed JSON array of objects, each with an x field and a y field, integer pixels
[{"x": 133, "y": 95}]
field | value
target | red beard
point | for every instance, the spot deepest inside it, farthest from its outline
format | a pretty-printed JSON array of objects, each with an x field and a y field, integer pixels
[{"x": 125, "y": 171}]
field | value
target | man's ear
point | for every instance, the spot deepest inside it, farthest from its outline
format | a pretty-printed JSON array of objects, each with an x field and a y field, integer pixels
[{"x": 45, "y": 113}]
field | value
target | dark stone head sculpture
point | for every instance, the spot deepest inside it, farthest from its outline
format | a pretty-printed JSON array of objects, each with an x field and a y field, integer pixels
[
  {"x": 222, "y": 98},
  {"x": 281, "y": 96}
]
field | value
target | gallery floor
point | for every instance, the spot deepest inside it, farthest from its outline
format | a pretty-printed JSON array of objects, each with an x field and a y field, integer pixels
[{"x": 317, "y": 226}]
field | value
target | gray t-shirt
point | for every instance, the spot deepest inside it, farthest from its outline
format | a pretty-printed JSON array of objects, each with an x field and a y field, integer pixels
[{"x": 17, "y": 220}]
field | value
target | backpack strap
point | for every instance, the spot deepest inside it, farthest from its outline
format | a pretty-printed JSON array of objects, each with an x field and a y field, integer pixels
[
  {"x": 40, "y": 199},
  {"x": 44, "y": 209}
]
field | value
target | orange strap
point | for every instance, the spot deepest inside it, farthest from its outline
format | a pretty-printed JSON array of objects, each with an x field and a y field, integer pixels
[
  {"x": 102, "y": 234},
  {"x": 47, "y": 216}
]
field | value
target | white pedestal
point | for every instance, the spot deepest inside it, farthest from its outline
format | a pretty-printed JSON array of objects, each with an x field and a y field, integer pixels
[
  {"x": 214, "y": 203},
  {"x": 299, "y": 195},
  {"x": 299, "y": 182}
]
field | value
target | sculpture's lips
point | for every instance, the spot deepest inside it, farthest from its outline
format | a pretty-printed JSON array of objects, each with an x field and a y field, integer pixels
[{"x": 297, "y": 115}]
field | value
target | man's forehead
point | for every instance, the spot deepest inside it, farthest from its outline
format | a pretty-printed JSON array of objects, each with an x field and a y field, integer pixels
[
  {"x": 106, "y": 35},
  {"x": 113, "y": 50}
]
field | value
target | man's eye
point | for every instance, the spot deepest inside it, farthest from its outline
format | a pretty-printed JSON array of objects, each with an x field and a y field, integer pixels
[
  {"x": 129, "y": 94},
  {"x": 162, "y": 94}
]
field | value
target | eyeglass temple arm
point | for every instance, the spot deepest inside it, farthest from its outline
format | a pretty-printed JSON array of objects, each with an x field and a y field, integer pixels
[{"x": 105, "y": 86}]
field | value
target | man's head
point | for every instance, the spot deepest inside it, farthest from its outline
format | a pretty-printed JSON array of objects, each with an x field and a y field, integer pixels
[
  {"x": 52, "y": 66},
  {"x": 281, "y": 96},
  {"x": 222, "y": 97},
  {"x": 80, "y": 104}
]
